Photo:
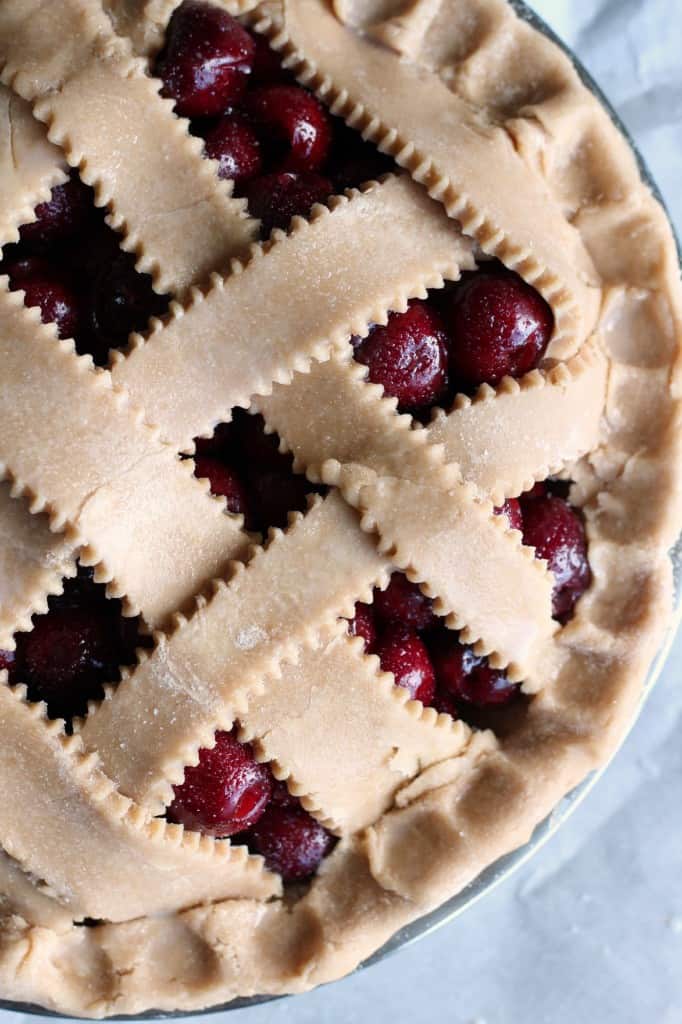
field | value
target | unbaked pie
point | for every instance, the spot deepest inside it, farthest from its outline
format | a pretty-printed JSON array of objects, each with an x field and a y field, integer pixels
[{"x": 341, "y": 451}]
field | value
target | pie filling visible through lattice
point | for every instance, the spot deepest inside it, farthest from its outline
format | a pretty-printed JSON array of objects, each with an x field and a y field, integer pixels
[{"x": 340, "y": 574}]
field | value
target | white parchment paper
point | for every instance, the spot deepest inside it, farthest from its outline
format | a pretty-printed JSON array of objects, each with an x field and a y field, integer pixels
[{"x": 590, "y": 931}]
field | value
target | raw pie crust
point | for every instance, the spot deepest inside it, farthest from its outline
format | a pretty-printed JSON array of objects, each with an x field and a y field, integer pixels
[{"x": 490, "y": 119}]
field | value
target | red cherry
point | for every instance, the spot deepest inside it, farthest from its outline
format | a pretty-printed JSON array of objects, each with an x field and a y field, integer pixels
[
  {"x": 281, "y": 796},
  {"x": 45, "y": 287},
  {"x": 557, "y": 533},
  {"x": 234, "y": 144},
  {"x": 500, "y": 326},
  {"x": 225, "y": 793},
  {"x": 355, "y": 161},
  {"x": 67, "y": 656},
  {"x": 538, "y": 490},
  {"x": 292, "y": 842},
  {"x": 275, "y": 198},
  {"x": 266, "y": 64},
  {"x": 224, "y": 481},
  {"x": 512, "y": 510},
  {"x": 273, "y": 495},
  {"x": 464, "y": 676},
  {"x": 362, "y": 624},
  {"x": 408, "y": 357},
  {"x": 293, "y": 123},
  {"x": 64, "y": 214},
  {"x": 403, "y": 653},
  {"x": 122, "y": 301},
  {"x": 404, "y": 602},
  {"x": 253, "y": 443},
  {"x": 206, "y": 61},
  {"x": 219, "y": 444}
]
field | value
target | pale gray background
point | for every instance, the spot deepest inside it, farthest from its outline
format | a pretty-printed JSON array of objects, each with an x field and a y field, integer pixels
[{"x": 590, "y": 931}]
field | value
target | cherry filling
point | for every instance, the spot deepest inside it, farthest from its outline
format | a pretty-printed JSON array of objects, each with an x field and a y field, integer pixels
[
  {"x": 228, "y": 793},
  {"x": 401, "y": 627},
  {"x": 557, "y": 532},
  {"x": 243, "y": 464},
  {"x": 271, "y": 137},
  {"x": 69, "y": 265},
  {"x": 74, "y": 648}
]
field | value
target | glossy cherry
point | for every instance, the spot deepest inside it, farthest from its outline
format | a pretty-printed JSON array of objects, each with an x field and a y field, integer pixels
[
  {"x": 363, "y": 624},
  {"x": 293, "y": 124},
  {"x": 512, "y": 510},
  {"x": 235, "y": 146},
  {"x": 63, "y": 215},
  {"x": 121, "y": 301},
  {"x": 274, "y": 495},
  {"x": 51, "y": 291},
  {"x": 499, "y": 325},
  {"x": 291, "y": 841},
  {"x": 275, "y": 198},
  {"x": 206, "y": 61},
  {"x": 463, "y": 676},
  {"x": 225, "y": 793},
  {"x": 557, "y": 533},
  {"x": 224, "y": 481},
  {"x": 408, "y": 357},
  {"x": 70, "y": 652},
  {"x": 404, "y": 602},
  {"x": 402, "y": 652}
]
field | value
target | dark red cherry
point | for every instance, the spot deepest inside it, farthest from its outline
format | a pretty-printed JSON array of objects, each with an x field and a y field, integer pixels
[
  {"x": 281, "y": 797},
  {"x": 234, "y": 144},
  {"x": 512, "y": 510},
  {"x": 404, "y": 602},
  {"x": 274, "y": 494},
  {"x": 354, "y": 161},
  {"x": 67, "y": 656},
  {"x": 224, "y": 481},
  {"x": 225, "y": 793},
  {"x": 557, "y": 533},
  {"x": 293, "y": 124},
  {"x": 275, "y": 198},
  {"x": 267, "y": 68},
  {"x": 206, "y": 61},
  {"x": 291, "y": 841},
  {"x": 408, "y": 357},
  {"x": 499, "y": 325},
  {"x": 47, "y": 288},
  {"x": 463, "y": 676},
  {"x": 64, "y": 214},
  {"x": 122, "y": 301},
  {"x": 403, "y": 653},
  {"x": 363, "y": 624},
  {"x": 254, "y": 444}
]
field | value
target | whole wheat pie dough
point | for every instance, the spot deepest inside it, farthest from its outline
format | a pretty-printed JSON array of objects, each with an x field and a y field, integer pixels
[{"x": 341, "y": 462}]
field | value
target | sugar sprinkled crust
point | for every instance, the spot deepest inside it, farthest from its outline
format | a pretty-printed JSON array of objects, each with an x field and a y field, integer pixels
[{"x": 449, "y": 801}]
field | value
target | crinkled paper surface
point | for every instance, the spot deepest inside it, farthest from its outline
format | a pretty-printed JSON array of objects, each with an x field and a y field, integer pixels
[{"x": 591, "y": 929}]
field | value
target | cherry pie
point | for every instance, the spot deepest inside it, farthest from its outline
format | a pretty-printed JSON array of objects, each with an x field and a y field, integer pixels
[{"x": 341, "y": 450}]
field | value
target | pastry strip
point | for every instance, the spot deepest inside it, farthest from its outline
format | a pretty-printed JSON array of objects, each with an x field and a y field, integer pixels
[
  {"x": 109, "y": 845},
  {"x": 33, "y": 563},
  {"x": 494, "y": 438},
  {"x": 459, "y": 157},
  {"x": 339, "y": 257},
  {"x": 382, "y": 739},
  {"x": 146, "y": 522},
  {"x": 105, "y": 113},
  {"x": 199, "y": 678},
  {"x": 30, "y": 166}
]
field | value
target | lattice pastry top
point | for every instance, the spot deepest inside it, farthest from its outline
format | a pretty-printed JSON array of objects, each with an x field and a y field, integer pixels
[{"x": 276, "y": 682}]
